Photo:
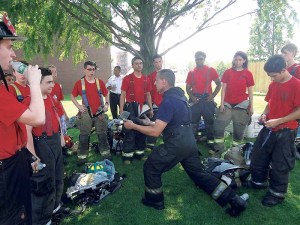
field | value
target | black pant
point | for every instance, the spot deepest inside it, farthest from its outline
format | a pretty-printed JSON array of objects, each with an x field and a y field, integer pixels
[
  {"x": 114, "y": 101},
  {"x": 180, "y": 147},
  {"x": 47, "y": 184},
  {"x": 207, "y": 111},
  {"x": 14, "y": 189},
  {"x": 279, "y": 149}
]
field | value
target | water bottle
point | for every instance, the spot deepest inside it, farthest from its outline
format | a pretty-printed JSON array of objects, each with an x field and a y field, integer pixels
[
  {"x": 19, "y": 67},
  {"x": 40, "y": 166}
]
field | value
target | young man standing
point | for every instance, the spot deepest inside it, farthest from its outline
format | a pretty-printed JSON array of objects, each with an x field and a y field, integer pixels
[
  {"x": 15, "y": 201},
  {"x": 135, "y": 93},
  {"x": 91, "y": 111},
  {"x": 45, "y": 142},
  {"x": 156, "y": 97},
  {"x": 59, "y": 96},
  {"x": 289, "y": 52},
  {"x": 174, "y": 121},
  {"x": 198, "y": 87},
  {"x": 275, "y": 143},
  {"x": 114, "y": 86}
]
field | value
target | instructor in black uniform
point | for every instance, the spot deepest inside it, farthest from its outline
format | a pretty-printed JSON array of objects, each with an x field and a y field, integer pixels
[{"x": 174, "y": 121}]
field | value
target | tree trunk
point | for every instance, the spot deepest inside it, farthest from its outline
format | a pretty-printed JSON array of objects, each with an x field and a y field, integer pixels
[{"x": 147, "y": 37}]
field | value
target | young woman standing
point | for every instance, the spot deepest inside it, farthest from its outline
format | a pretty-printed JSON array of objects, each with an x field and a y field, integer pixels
[{"x": 236, "y": 102}]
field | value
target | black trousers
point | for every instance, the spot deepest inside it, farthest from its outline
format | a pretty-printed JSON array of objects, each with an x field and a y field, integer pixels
[
  {"x": 114, "y": 101},
  {"x": 207, "y": 111},
  {"x": 180, "y": 147},
  {"x": 279, "y": 149},
  {"x": 15, "y": 198},
  {"x": 47, "y": 184}
]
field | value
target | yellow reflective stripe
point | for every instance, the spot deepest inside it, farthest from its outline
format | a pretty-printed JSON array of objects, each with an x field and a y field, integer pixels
[
  {"x": 82, "y": 84},
  {"x": 127, "y": 154},
  {"x": 154, "y": 191},
  {"x": 97, "y": 83},
  {"x": 219, "y": 140},
  {"x": 218, "y": 190},
  {"x": 236, "y": 143},
  {"x": 82, "y": 156},
  {"x": 139, "y": 152}
]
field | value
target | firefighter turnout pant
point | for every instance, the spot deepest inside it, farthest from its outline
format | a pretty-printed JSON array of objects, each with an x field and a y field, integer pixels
[
  {"x": 206, "y": 110},
  {"x": 134, "y": 142},
  {"x": 240, "y": 119},
  {"x": 85, "y": 124},
  {"x": 47, "y": 183},
  {"x": 180, "y": 147},
  {"x": 277, "y": 149}
]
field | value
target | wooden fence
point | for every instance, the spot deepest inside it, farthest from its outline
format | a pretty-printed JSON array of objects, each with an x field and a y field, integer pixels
[{"x": 261, "y": 78}]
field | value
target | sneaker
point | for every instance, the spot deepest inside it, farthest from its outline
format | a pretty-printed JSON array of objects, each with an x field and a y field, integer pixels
[
  {"x": 155, "y": 205},
  {"x": 238, "y": 205},
  {"x": 270, "y": 200}
]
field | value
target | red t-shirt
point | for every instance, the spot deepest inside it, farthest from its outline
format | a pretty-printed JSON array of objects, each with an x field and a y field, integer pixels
[
  {"x": 200, "y": 79},
  {"x": 52, "y": 124},
  {"x": 296, "y": 72},
  {"x": 91, "y": 93},
  {"x": 237, "y": 84},
  {"x": 57, "y": 92},
  {"x": 140, "y": 87},
  {"x": 25, "y": 91},
  {"x": 156, "y": 97},
  {"x": 283, "y": 99},
  {"x": 12, "y": 134}
]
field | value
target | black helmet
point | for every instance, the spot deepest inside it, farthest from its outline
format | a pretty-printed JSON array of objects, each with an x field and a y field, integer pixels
[{"x": 7, "y": 30}]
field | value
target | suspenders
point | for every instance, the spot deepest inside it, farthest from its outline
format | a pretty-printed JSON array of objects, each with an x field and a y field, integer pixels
[
  {"x": 85, "y": 101},
  {"x": 20, "y": 97}
]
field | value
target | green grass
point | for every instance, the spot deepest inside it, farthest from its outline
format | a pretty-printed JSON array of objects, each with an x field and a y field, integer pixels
[{"x": 185, "y": 204}]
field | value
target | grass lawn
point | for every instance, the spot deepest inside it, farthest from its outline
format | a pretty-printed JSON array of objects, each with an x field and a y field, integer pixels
[{"x": 185, "y": 204}]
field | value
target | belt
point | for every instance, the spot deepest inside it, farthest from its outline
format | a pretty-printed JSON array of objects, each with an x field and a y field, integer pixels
[{"x": 44, "y": 135}]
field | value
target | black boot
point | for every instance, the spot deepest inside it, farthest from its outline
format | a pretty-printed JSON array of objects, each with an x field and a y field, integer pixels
[
  {"x": 238, "y": 205},
  {"x": 154, "y": 200},
  {"x": 270, "y": 200}
]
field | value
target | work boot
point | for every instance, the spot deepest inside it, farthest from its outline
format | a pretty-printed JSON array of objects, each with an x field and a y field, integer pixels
[
  {"x": 154, "y": 200},
  {"x": 237, "y": 206},
  {"x": 155, "y": 205},
  {"x": 251, "y": 184},
  {"x": 270, "y": 200}
]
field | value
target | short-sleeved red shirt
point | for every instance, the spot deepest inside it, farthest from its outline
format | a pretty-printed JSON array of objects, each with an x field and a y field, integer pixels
[
  {"x": 295, "y": 68},
  {"x": 57, "y": 92},
  {"x": 237, "y": 84},
  {"x": 25, "y": 91},
  {"x": 52, "y": 124},
  {"x": 12, "y": 134},
  {"x": 200, "y": 79},
  {"x": 91, "y": 93},
  {"x": 140, "y": 86},
  {"x": 156, "y": 97},
  {"x": 283, "y": 99}
]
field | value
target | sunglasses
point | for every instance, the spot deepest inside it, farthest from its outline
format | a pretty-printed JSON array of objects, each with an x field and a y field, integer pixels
[{"x": 91, "y": 69}]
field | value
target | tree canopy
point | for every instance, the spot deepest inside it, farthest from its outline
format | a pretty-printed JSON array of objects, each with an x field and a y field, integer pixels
[
  {"x": 63, "y": 27},
  {"x": 271, "y": 29}
]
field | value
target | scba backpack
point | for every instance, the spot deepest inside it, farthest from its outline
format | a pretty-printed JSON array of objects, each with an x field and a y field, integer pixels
[
  {"x": 100, "y": 180},
  {"x": 232, "y": 175},
  {"x": 240, "y": 155},
  {"x": 115, "y": 136}
]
